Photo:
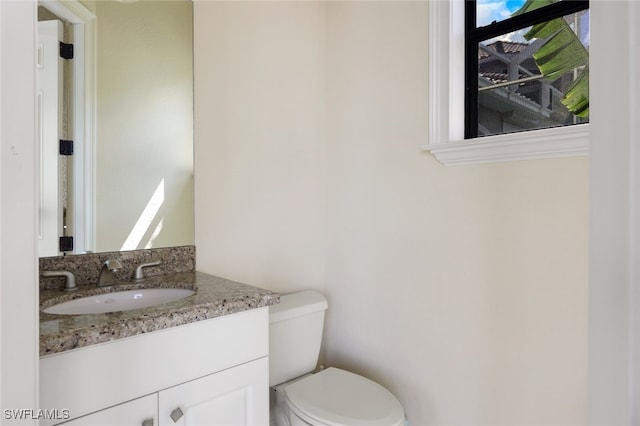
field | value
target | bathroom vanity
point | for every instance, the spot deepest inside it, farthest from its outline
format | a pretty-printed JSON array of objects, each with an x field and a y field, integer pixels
[{"x": 199, "y": 360}]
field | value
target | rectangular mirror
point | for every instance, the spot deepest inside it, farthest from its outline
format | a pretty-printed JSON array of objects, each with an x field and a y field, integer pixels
[{"x": 129, "y": 183}]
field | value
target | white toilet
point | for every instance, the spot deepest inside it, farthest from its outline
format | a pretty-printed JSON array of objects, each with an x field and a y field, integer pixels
[{"x": 330, "y": 397}]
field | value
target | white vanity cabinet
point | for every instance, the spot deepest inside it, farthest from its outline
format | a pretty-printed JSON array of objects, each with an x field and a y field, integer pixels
[
  {"x": 230, "y": 397},
  {"x": 207, "y": 373}
]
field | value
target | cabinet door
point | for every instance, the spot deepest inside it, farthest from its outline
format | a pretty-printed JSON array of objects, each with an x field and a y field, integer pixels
[
  {"x": 238, "y": 396},
  {"x": 139, "y": 412}
]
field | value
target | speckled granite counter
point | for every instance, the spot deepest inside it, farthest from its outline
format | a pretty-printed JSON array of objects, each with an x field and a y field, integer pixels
[{"x": 214, "y": 297}]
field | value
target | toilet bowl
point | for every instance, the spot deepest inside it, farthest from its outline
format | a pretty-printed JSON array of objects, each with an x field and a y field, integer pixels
[{"x": 329, "y": 397}]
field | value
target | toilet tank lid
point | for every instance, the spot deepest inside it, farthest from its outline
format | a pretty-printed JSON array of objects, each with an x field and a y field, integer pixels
[{"x": 297, "y": 304}]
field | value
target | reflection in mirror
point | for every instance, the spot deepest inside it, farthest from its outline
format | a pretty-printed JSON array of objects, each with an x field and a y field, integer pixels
[{"x": 141, "y": 169}]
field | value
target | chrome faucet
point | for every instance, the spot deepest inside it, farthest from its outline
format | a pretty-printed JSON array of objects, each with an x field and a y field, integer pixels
[
  {"x": 106, "y": 277},
  {"x": 70, "y": 279}
]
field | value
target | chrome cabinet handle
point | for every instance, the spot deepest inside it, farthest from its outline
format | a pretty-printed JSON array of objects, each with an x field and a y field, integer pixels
[
  {"x": 176, "y": 415},
  {"x": 147, "y": 422}
]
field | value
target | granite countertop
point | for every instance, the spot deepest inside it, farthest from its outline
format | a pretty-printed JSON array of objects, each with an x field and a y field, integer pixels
[{"x": 214, "y": 297}]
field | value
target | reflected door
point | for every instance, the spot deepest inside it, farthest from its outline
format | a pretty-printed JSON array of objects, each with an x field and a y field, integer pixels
[{"x": 49, "y": 80}]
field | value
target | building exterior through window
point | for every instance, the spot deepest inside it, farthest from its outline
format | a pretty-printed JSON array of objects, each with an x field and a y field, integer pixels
[{"x": 515, "y": 89}]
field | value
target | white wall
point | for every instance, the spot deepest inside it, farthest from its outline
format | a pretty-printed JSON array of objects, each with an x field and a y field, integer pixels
[
  {"x": 463, "y": 290},
  {"x": 614, "y": 273},
  {"x": 18, "y": 252}
]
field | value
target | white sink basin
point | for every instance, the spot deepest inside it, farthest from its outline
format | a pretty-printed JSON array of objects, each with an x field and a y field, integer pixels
[{"x": 119, "y": 301}]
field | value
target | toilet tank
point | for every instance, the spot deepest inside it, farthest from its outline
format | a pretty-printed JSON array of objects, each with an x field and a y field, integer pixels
[{"x": 295, "y": 333}]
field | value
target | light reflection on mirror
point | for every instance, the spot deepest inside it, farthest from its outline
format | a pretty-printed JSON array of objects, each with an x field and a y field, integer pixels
[{"x": 145, "y": 222}]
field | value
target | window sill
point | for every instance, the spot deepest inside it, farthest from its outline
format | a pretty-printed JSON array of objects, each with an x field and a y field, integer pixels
[{"x": 530, "y": 145}]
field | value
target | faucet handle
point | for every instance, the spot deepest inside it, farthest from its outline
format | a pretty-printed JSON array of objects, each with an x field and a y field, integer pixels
[
  {"x": 70, "y": 279},
  {"x": 139, "y": 273}
]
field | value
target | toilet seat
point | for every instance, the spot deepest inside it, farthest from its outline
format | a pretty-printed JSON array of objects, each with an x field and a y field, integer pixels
[{"x": 336, "y": 397}]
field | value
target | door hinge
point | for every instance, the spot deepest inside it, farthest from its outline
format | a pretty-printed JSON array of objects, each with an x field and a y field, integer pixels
[
  {"x": 65, "y": 244},
  {"x": 66, "y": 50},
  {"x": 66, "y": 147}
]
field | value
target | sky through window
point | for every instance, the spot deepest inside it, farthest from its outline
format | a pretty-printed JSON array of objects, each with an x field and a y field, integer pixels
[{"x": 496, "y": 10}]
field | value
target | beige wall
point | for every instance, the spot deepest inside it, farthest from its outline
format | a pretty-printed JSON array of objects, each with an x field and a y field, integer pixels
[
  {"x": 463, "y": 290},
  {"x": 18, "y": 189},
  {"x": 144, "y": 122}
]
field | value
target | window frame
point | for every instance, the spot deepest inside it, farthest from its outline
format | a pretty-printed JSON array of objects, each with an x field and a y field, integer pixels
[{"x": 447, "y": 105}]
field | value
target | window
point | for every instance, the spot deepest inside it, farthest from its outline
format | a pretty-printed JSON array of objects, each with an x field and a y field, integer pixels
[
  {"x": 528, "y": 70},
  {"x": 500, "y": 104}
]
